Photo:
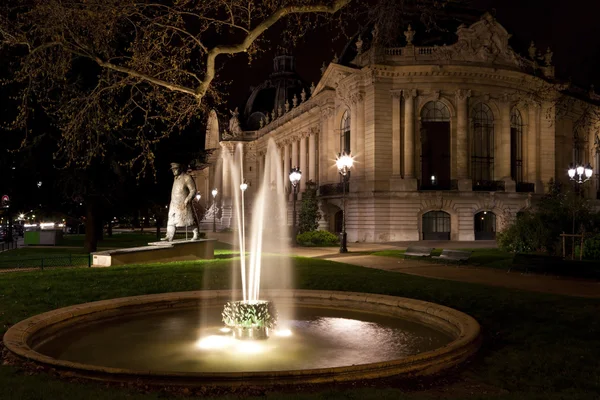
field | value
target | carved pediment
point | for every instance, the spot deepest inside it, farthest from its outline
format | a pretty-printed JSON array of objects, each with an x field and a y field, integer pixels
[
  {"x": 484, "y": 41},
  {"x": 332, "y": 77}
]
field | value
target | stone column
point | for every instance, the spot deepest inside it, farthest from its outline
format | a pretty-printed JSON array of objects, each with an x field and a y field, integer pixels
[
  {"x": 312, "y": 157},
  {"x": 462, "y": 141},
  {"x": 261, "y": 169},
  {"x": 409, "y": 133},
  {"x": 502, "y": 156},
  {"x": 396, "y": 145},
  {"x": 360, "y": 137},
  {"x": 302, "y": 163},
  {"x": 532, "y": 146},
  {"x": 286, "y": 164},
  {"x": 324, "y": 150}
]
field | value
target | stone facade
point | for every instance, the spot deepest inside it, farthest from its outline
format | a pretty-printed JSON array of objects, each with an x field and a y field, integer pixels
[{"x": 442, "y": 138}]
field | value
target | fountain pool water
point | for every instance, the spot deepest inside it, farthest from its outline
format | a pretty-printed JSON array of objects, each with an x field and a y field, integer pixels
[
  {"x": 334, "y": 336},
  {"x": 188, "y": 338}
]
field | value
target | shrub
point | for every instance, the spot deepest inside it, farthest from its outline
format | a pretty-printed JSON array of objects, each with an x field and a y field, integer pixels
[
  {"x": 309, "y": 210},
  {"x": 591, "y": 248},
  {"x": 317, "y": 238}
]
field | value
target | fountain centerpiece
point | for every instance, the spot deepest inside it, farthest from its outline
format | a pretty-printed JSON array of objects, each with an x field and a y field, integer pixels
[{"x": 252, "y": 317}]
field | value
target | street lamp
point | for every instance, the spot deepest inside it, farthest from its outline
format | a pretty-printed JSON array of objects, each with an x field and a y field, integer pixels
[
  {"x": 214, "y": 194},
  {"x": 344, "y": 164},
  {"x": 295, "y": 176},
  {"x": 579, "y": 173},
  {"x": 198, "y": 196}
]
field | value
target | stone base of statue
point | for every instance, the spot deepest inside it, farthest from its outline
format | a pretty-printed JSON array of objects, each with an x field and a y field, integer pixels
[{"x": 157, "y": 252}]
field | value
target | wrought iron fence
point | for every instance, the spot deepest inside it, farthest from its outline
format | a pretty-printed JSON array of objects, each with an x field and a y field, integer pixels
[
  {"x": 27, "y": 264},
  {"x": 333, "y": 189},
  {"x": 525, "y": 187},
  {"x": 449, "y": 184},
  {"x": 8, "y": 245},
  {"x": 488, "y": 186}
]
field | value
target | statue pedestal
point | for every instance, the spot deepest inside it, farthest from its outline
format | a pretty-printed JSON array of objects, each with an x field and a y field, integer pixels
[{"x": 155, "y": 252}]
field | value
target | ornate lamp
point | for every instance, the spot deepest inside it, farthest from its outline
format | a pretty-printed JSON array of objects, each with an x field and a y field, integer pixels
[
  {"x": 295, "y": 176},
  {"x": 214, "y": 195},
  {"x": 580, "y": 173},
  {"x": 344, "y": 163}
]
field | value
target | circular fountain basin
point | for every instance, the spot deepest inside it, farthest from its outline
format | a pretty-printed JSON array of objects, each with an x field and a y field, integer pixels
[{"x": 177, "y": 338}]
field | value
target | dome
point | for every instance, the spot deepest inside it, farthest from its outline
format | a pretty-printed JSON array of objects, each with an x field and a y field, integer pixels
[{"x": 282, "y": 85}]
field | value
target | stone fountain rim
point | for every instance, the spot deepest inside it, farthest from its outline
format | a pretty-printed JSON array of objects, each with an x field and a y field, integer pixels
[{"x": 466, "y": 333}]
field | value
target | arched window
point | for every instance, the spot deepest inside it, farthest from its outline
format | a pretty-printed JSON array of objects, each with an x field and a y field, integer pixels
[
  {"x": 435, "y": 111},
  {"x": 345, "y": 133},
  {"x": 482, "y": 156},
  {"x": 435, "y": 146},
  {"x": 516, "y": 146},
  {"x": 577, "y": 148},
  {"x": 436, "y": 225}
]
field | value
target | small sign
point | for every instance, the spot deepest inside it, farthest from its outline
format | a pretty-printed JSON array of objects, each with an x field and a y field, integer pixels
[{"x": 5, "y": 198}]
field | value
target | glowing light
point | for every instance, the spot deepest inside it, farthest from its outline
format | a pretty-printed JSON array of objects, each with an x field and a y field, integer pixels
[
  {"x": 198, "y": 196},
  {"x": 214, "y": 342},
  {"x": 225, "y": 330},
  {"x": 283, "y": 332},
  {"x": 249, "y": 347}
]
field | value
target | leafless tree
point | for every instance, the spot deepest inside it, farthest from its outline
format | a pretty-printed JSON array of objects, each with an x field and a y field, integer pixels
[{"x": 130, "y": 72}]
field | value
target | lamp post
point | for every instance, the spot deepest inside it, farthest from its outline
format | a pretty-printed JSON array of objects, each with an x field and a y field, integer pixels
[
  {"x": 214, "y": 194},
  {"x": 344, "y": 164},
  {"x": 578, "y": 174},
  {"x": 295, "y": 176}
]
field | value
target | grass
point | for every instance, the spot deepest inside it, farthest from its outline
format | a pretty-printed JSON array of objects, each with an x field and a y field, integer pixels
[
  {"x": 536, "y": 346},
  {"x": 72, "y": 247}
]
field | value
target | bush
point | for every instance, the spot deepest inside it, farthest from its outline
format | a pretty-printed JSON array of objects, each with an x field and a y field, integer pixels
[
  {"x": 591, "y": 248},
  {"x": 317, "y": 238},
  {"x": 309, "y": 210}
]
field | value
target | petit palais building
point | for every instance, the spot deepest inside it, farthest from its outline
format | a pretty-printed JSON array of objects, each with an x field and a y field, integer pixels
[{"x": 449, "y": 141}]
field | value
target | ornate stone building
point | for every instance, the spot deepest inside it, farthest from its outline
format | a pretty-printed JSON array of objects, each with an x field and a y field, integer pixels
[{"x": 449, "y": 142}]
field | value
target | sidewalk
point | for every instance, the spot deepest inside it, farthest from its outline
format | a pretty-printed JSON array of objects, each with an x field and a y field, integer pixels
[{"x": 484, "y": 276}]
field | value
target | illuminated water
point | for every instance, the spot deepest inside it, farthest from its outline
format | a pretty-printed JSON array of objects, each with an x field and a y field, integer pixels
[
  {"x": 169, "y": 341},
  {"x": 268, "y": 229}
]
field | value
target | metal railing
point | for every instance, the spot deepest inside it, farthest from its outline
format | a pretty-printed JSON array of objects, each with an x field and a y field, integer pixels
[
  {"x": 450, "y": 184},
  {"x": 8, "y": 245},
  {"x": 333, "y": 189},
  {"x": 41, "y": 263},
  {"x": 488, "y": 186},
  {"x": 525, "y": 187}
]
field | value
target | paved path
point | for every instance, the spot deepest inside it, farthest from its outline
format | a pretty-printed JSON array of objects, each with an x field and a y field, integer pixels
[{"x": 485, "y": 276}]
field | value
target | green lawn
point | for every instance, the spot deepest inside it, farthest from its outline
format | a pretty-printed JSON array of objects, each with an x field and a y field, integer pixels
[
  {"x": 536, "y": 346},
  {"x": 71, "y": 248}
]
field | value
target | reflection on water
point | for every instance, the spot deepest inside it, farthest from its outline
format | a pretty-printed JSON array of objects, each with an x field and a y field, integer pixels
[{"x": 171, "y": 341}]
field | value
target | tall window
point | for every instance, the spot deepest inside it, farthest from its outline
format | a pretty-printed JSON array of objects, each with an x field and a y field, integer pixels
[
  {"x": 577, "y": 148},
  {"x": 482, "y": 156},
  {"x": 516, "y": 146},
  {"x": 345, "y": 133}
]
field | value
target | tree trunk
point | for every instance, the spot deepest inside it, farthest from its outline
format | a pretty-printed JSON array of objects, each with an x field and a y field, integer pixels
[{"x": 91, "y": 230}]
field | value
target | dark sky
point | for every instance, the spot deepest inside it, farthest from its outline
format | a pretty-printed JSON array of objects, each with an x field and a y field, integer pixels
[{"x": 571, "y": 29}]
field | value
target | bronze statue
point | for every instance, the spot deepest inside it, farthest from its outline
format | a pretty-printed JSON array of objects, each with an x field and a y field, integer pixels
[{"x": 180, "y": 208}]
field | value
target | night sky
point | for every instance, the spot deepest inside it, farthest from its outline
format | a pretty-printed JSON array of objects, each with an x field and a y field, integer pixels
[{"x": 570, "y": 28}]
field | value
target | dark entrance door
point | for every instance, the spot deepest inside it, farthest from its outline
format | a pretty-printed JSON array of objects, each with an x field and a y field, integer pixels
[
  {"x": 337, "y": 221},
  {"x": 435, "y": 155},
  {"x": 485, "y": 226}
]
